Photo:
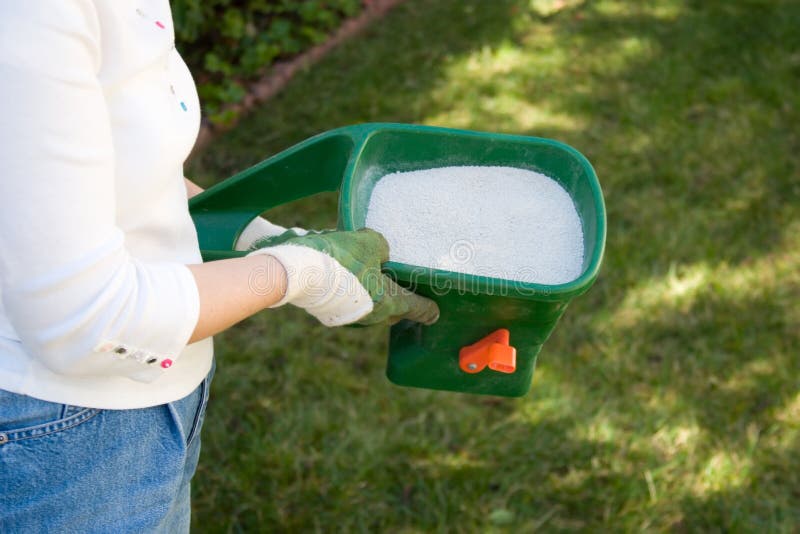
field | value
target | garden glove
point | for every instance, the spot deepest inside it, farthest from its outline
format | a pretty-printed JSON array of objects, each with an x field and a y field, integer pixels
[
  {"x": 260, "y": 228},
  {"x": 336, "y": 277}
]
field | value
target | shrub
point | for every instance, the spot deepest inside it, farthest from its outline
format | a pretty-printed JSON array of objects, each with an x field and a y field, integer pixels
[{"x": 227, "y": 43}]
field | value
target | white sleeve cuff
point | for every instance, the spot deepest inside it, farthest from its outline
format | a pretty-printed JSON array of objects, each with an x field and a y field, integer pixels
[
  {"x": 141, "y": 318},
  {"x": 178, "y": 304}
]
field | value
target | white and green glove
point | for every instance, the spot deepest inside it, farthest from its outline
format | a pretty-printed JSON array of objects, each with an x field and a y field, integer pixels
[{"x": 336, "y": 277}]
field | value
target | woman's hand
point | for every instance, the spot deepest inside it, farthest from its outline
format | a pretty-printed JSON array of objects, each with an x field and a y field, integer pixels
[
  {"x": 259, "y": 229},
  {"x": 336, "y": 277}
]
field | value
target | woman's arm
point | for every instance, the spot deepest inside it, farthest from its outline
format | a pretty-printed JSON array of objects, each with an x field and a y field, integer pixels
[
  {"x": 192, "y": 188},
  {"x": 234, "y": 289},
  {"x": 257, "y": 229}
]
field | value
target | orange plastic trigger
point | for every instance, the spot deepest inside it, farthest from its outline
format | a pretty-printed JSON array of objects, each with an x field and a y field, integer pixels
[{"x": 493, "y": 350}]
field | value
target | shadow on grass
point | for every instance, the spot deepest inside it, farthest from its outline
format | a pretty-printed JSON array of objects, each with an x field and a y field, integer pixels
[{"x": 666, "y": 399}]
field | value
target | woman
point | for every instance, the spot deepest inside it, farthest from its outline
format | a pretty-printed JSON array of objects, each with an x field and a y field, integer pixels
[{"x": 106, "y": 311}]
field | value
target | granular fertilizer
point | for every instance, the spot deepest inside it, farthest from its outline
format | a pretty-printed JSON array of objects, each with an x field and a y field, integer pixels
[{"x": 501, "y": 222}]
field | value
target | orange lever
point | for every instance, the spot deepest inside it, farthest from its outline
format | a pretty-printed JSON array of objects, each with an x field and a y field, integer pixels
[{"x": 493, "y": 350}]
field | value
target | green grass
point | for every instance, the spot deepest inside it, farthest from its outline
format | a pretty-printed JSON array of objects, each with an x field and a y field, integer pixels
[{"x": 667, "y": 399}]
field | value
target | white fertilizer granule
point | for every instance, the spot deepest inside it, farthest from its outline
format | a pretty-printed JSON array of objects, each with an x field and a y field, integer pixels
[{"x": 500, "y": 222}]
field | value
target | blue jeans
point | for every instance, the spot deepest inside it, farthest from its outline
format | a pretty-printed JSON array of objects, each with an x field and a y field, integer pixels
[{"x": 70, "y": 469}]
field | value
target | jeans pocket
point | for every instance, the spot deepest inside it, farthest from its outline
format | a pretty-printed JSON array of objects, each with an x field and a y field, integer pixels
[
  {"x": 199, "y": 416},
  {"x": 23, "y": 417}
]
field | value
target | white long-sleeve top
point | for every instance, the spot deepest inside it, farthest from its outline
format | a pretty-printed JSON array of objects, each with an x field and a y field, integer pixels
[{"x": 97, "y": 114}]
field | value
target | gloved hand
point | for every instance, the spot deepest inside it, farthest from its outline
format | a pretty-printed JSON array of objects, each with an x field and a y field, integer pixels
[
  {"x": 260, "y": 228},
  {"x": 336, "y": 277}
]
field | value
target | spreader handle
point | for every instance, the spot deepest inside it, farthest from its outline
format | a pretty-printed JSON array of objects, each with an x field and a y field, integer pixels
[{"x": 315, "y": 165}]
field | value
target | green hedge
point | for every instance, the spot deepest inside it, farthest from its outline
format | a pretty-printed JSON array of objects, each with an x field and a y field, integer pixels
[{"x": 227, "y": 43}]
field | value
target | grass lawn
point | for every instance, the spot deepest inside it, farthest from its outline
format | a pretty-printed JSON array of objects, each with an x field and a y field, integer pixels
[{"x": 668, "y": 397}]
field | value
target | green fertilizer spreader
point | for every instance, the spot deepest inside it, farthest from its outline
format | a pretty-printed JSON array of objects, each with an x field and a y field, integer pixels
[{"x": 490, "y": 330}]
